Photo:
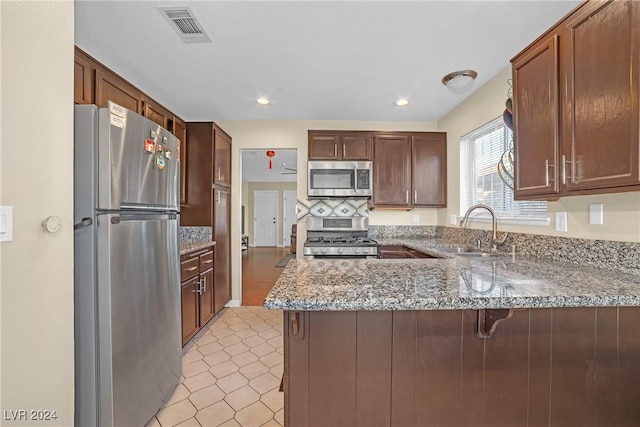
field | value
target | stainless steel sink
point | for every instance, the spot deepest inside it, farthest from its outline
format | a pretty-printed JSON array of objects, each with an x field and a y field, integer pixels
[{"x": 464, "y": 251}]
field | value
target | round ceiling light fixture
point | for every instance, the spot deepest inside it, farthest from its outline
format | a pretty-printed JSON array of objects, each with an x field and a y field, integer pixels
[
  {"x": 402, "y": 102},
  {"x": 459, "y": 82},
  {"x": 262, "y": 101}
]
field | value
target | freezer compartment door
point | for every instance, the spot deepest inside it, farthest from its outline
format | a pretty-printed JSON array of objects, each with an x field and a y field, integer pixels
[
  {"x": 140, "y": 348},
  {"x": 138, "y": 164}
]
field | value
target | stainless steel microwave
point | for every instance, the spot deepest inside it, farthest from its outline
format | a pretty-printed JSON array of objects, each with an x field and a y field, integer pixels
[{"x": 339, "y": 179}]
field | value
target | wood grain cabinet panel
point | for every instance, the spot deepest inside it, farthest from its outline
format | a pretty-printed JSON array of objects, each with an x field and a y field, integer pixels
[
  {"x": 222, "y": 236},
  {"x": 189, "y": 308},
  {"x": 392, "y": 170},
  {"x": 180, "y": 131},
  {"x": 577, "y": 105},
  {"x": 198, "y": 288},
  {"x": 600, "y": 56},
  {"x": 339, "y": 145},
  {"x": 222, "y": 158},
  {"x": 542, "y": 367},
  {"x": 536, "y": 120},
  {"x": 429, "y": 169},
  {"x": 83, "y": 78},
  {"x": 110, "y": 87},
  {"x": 157, "y": 113},
  {"x": 410, "y": 169}
]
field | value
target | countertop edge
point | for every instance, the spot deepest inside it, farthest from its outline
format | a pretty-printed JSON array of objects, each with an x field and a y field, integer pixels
[{"x": 189, "y": 247}]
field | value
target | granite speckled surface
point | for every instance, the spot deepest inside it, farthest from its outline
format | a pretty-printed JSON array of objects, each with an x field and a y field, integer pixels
[
  {"x": 452, "y": 282},
  {"x": 195, "y": 234},
  {"x": 601, "y": 254},
  {"x": 187, "y": 247}
]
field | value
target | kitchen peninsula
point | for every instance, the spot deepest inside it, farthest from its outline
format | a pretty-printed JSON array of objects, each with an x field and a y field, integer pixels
[{"x": 457, "y": 340}]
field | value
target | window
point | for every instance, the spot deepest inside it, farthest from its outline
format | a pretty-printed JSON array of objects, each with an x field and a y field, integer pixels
[{"x": 480, "y": 152}]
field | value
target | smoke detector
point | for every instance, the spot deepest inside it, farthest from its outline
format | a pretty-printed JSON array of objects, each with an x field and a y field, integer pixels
[{"x": 185, "y": 23}]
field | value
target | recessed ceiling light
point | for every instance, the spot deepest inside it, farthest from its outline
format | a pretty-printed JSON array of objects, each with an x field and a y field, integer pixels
[
  {"x": 402, "y": 102},
  {"x": 262, "y": 101}
]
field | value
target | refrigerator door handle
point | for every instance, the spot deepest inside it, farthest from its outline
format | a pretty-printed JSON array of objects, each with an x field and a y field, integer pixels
[{"x": 85, "y": 222}]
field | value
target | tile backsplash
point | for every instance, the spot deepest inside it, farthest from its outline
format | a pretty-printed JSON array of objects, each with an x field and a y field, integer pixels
[
  {"x": 332, "y": 207},
  {"x": 195, "y": 234}
]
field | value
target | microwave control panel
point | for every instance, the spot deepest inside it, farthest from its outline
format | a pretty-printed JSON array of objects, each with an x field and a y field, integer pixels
[{"x": 363, "y": 179}]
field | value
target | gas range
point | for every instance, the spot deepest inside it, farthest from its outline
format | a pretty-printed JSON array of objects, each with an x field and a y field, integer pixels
[{"x": 338, "y": 237}]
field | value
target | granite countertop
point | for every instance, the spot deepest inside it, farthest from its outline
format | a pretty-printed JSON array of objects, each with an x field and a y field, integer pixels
[
  {"x": 187, "y": 247},
  {"x": 448, "y": 283}
]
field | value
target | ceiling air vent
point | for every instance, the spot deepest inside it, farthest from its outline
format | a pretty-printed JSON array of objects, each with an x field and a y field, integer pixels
[{"x": 185, "y": 24}]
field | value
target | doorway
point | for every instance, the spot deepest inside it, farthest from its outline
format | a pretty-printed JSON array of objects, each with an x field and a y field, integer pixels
[
  {"x": 262, "y": 260},
  {"x": 289, "y": 217},
  {"x": 265, "y": 218}
]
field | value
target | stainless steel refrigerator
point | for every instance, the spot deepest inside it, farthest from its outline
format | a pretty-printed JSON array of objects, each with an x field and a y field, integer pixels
[{"x": 127, "y": 289}]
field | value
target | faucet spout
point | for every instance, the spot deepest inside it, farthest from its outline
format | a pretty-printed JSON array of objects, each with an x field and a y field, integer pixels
[{"x": 495, "y": 242}]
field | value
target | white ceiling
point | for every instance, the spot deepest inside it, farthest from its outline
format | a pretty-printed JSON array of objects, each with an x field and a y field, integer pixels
[
  {"x": 315, "y": 60},
  {"x": 255, "y": 166}
]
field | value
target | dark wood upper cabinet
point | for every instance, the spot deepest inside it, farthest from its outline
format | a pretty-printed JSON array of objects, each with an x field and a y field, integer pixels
[
  {"x": 536, "y": 119},
  {"x": 83, "y": 75},
  {"x": 180, "y": 131},
  {"x": 576, "y": 105},
  {"x": 410, "y": 169},
  {"x": 334, "y": 145},
  {"x": 600, "y": 46},
  {"x": 208, "y": 154},
  {"x": 157, "y": 113},
  {"x": 222, "y": 158},
  {"x": 392, "y": 170},
  {"x": 429, "y": 169},
  {"x": 110, "y": 87}
]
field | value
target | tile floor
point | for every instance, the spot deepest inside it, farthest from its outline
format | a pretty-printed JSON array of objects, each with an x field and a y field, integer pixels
[{"x": 231, "y": 373}]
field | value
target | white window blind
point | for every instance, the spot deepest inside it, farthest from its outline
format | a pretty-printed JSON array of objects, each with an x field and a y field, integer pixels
[{"x": 480, "y": 152}]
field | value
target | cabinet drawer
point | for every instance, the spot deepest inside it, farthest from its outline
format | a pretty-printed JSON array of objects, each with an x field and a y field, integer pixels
[
  {"x": 189, "y": 268},
  {"x": 206, "y": 261}
]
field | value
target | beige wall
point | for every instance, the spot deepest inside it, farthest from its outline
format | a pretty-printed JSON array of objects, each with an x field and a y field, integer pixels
[
  {"x": 280, "y": 187},
  {"x": 36, "y": 178},
  {"x": 621, "y": 211},
  {"x": 263, "y": 134}
]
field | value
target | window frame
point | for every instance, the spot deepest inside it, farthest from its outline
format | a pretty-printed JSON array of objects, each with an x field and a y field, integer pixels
[{"x": 530, "y": 213}]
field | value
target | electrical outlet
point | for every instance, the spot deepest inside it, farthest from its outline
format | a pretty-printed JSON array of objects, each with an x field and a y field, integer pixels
[
  {"x": 596, "y": 215},
  {"x": 416, "y": 218},
  {"x": 561, "y": 221}
]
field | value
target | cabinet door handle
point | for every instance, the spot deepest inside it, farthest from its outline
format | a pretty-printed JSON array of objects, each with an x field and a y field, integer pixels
[
  {"x": 406, "y": 199},
  {"x": 547, "y": 178},
  {"x": 218, "y": 174},
  {"x": 218, "y": 196},
  {"x": 191, "y": 268},
  {"x": 209, "y": 261},
  {"x": 204, "y": 285},
  {"x": 335, "y": 150},
  {"x": 565, "y": 162},
  {"x": 344, "y": 151},
  {"x": 415, "y": 196}
]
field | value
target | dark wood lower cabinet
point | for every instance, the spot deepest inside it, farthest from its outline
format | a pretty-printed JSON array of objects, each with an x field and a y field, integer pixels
[{"x": 542, "y": 367}]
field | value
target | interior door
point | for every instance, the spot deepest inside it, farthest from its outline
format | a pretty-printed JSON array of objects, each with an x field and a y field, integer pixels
[
  {"x": 265, "y": 215},
  {"x": 289, "y": 217}
]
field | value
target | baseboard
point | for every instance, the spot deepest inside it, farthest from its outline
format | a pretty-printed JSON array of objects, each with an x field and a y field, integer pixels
[{"x": 234, "y": 303}]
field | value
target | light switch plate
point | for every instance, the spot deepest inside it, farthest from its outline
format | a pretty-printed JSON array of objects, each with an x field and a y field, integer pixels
[
  {"x": 596, "y": 214},
  {"x": 561, "y": 221},
  {"x": 416, "y": 218},
  {"x": 6, "y": 223}
]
